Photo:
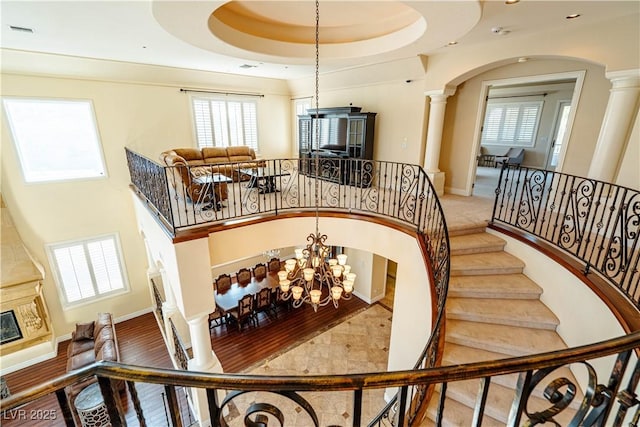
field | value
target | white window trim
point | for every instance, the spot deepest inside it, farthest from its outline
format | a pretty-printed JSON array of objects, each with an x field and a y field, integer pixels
[
  {"x": 98, "y": 297},
  {"x": 19, "y": 150},
  {"x": 225, "y": 98},
  {"x": 514, "y": 143}
]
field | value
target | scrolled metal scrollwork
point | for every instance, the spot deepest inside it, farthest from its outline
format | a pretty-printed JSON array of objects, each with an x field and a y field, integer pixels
[
  {"x": 561, "y": 392},
  {"x": 259, "y": 413}
]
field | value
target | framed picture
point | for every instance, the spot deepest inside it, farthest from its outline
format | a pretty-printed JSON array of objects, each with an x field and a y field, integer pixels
[{"x": 9, "y": 329}]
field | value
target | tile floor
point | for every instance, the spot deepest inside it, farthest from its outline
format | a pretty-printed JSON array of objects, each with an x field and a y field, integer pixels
[{"x": 357, "y": 345}]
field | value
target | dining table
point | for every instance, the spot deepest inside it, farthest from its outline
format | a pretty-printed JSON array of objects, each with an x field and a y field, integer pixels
[{"x": 229, "y": 300}]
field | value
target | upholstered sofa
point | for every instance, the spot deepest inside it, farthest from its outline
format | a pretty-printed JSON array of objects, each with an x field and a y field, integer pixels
[
  {"x": 188, "y": 164},
  {"x": 91, "y": 342}
]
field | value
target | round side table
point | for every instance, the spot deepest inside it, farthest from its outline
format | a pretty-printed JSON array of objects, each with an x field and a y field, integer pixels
[{"x": 91, "y": 408}]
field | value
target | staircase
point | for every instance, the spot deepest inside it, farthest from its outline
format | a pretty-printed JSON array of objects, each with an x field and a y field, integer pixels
[{"x": 493, "y": 312}]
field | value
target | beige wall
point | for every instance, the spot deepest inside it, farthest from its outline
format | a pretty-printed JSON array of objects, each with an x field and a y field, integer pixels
[
  {"x": 619, "y": 50},
  {"x": 462, "y": 117},
  {"x": 382, "y": 89},
  {"x": 148, "y": 118}
]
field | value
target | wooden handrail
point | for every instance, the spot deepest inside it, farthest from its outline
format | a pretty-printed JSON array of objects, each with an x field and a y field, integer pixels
[{"x": 120, "y": 371}]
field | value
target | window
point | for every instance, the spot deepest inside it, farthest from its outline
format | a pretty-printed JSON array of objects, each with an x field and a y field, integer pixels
[
  {"x": 301, "y": 107},
  {"x": 87, "y": 270},
  {"x": 511, "y": 123},
  {"x": 225, "y": 122},
  {"x": 55, "y": 139}
]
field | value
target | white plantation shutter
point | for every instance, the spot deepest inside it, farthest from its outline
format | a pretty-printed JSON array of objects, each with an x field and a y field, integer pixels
[
  {"x": 511, "y": 123},
  {"x": 88, "y": 269},
  {"x": 202, "y": 116},
  {"x": 225, "y": 122},
  {"x": 250, "y": 116}
]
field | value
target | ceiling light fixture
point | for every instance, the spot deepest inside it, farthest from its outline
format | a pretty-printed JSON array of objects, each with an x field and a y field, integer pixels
[
  {"x": 312, "y": 277},
  {"x": 452, "y": 43},
  {"x": 511, "y": 1},
  {"x": 572, "y": 16}
]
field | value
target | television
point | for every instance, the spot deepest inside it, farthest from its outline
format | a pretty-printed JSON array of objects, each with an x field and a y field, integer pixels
[{"x": 332, "y": 133}]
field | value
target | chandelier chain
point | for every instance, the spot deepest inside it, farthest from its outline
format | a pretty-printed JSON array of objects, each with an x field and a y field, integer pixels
[
  {"x": 312, "y": 277},
  {"x": 317, "y": 121}
]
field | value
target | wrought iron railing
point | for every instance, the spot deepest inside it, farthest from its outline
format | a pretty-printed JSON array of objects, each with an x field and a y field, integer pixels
[
  {"x": 606, "y": 401},
  {"x": 395, "y": 191},
  {"x": 157, "y": 300},
  {"x": 180, "y": 352},
  {"x": 596, "y": 222}
]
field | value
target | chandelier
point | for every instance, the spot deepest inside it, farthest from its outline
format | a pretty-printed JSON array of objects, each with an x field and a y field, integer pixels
[{"x": 312, "y": 277}]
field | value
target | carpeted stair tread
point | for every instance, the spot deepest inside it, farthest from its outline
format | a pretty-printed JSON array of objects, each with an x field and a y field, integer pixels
[
  {"x": 503, "y": 286},
  {"x": 485, "y": 263},
  {"x": 500, "y": 399},
  {"x": 475, "y": 243},
  {"x": 512, "y": 340},
  {"x": 456, "y": 414},
  {"x": 461, "y": 229},
  {"x": 455, "y": 354},
  {"x": 523, "y": 313}
]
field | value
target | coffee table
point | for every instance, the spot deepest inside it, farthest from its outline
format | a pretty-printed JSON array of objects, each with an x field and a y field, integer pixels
[
  {"x": 211, "y": 195},
  {"x": 264, "y": 179}
]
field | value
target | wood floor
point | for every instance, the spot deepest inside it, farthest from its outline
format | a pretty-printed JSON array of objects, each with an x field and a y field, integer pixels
[
  {"x": 141, "y": 343},
  {"x": 240, "y": 351}
]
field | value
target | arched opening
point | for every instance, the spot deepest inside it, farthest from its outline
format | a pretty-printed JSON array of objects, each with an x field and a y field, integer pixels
[{"x": 546, "y": 87}]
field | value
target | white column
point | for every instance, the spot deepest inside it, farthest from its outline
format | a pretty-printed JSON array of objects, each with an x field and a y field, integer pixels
[
  {"x": 622, "y": 109},
  {"x": 204, "y": 360},
  {"x": 434, "y": 136}
]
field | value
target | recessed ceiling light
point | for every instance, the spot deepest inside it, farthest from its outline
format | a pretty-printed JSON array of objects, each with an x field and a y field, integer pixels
[
  {"x": 500, "y": 31},
  {"x": 246, "y": 66},
  {"x": 511, "y": 1},
  {"x": 452, "y": 43},
  {"x": 573, "y": 16},
  {"x": 523, "y": 59},
  {"x": 21, "y": 29}
]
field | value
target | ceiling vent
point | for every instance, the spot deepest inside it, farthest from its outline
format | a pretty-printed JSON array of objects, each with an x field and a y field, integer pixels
[{"x": 21, "y": 29}]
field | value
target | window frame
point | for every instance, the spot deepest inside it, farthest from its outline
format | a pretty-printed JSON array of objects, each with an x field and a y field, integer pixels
[
  {"x": 29, "y": 176},
  {"x": 514, "y": 142},
  {"x": 226, "y": 99},
  {"x": 53, "y": 263}
]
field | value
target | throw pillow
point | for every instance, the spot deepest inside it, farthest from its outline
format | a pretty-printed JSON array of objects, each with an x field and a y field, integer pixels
[{"x": 84, "y": 331}]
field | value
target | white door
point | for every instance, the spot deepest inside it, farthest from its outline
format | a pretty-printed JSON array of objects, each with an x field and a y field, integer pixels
[{"x": 559, "y": 130}]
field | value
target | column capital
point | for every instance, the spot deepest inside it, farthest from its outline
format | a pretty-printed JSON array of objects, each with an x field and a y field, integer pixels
[
  {"x": 440, "y": 94},
  {"x": 624, "y": 79}
]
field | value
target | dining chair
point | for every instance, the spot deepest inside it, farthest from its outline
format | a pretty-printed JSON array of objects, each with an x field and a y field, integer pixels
[
  {"x": 243, "y": 312},
  {"x": 216, "y": 318},
  {"x": 243, "y": 277},
  {"x": 279, "y": 301},
  {"x": 223, "y": 283},
  {"x": 274, "y": 265},
  {"x": 260, "y": 271},
  {"x": 262, "y": 302}
]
